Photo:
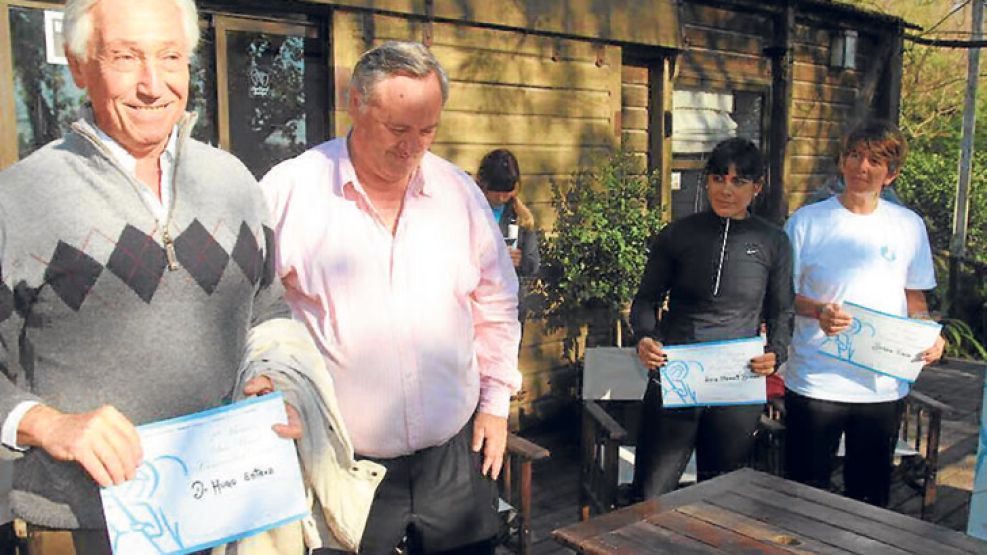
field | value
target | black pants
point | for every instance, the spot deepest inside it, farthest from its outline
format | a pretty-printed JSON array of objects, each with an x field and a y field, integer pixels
[
  {"x": 722, "y": 437},
  {"x": 437, "y": 499},
  {"x": 812, "y": 437}
]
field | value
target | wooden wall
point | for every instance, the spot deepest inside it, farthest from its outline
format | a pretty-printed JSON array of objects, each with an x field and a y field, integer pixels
[
  {"x": 634, "y": 113},
  {"x": 646, "y": 22},
  {"x": 723, "y": 49},
  {"x": 825, "y": 103},
  {"x": 554, "y": 102}
]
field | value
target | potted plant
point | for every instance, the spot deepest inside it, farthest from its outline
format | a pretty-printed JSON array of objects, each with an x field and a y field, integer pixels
[{"x": 594, "y": 256}]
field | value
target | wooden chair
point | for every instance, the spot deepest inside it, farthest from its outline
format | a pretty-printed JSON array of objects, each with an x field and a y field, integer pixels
[
  {"x": 916, "y": 453},
  {"x": 515, "y": 492},
  {"x": 613, "y": 382},
  {"x": 918, "y": 446}
]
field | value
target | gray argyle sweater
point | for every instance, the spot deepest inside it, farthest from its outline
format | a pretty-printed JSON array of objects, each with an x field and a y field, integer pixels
[{"x": 101, "y": 305}]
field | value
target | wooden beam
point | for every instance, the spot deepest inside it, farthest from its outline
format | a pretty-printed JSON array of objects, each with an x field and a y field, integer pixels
[
  {"x": 661, "y": 132},
  {"x": 781, "y": 103},
  {"x": 8, "y": 116}
]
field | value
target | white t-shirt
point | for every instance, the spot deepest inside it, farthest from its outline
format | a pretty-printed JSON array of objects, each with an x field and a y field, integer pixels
[{"x": 868, "y": 259}]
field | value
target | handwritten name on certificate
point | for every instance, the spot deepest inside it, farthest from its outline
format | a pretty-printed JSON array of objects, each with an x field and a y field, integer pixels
[
  {"x": 207, "y": 479},
  {"x": 713, "y": 373},
  {"x": 882, "y": 343}
]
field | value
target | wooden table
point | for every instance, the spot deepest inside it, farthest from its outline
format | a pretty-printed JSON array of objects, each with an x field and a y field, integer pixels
[{"x": 752, "y": 512}]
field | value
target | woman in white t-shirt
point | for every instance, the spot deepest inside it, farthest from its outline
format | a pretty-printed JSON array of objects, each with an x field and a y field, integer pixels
[{"x": 853, "y": 247}]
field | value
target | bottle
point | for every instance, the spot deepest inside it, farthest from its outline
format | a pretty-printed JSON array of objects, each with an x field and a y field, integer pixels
[{"x": 512, "y": 233}]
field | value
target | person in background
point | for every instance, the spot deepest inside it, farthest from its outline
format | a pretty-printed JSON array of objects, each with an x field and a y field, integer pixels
[
  {"x": 853, "y": 247},
  {"x": 391, "y": 257},
  {"x": 499, "y": 177},
  {"x": 135, "y": 263},
  {"x": 723, "y": 270}
]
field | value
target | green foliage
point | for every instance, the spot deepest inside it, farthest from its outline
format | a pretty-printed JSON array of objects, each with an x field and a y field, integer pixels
[
  {"x": 595, "y": 255},
  {"x": 961, "y": 341},
  {"x": 928, "y": 185}
]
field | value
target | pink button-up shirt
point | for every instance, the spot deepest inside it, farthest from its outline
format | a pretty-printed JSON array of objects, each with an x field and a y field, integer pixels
[{"x": 419, "y": 329}]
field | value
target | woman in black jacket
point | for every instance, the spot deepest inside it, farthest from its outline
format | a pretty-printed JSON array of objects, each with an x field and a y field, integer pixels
[{"x": 725, "y": 272}]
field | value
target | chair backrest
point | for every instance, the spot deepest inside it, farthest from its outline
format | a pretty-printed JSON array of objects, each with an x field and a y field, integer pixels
[{"x": 613, "y": 374}]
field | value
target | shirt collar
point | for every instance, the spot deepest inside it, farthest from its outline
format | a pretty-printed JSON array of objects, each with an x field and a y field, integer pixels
[
  {"x": 418, "y": 185},
  {"x": 126, "y": 159}
]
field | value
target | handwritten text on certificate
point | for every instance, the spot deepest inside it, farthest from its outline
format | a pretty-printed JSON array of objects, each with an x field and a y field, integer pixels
[
  {"x": 882, "y": 343},
  {"x": 714, "y": 373},
  {"x": 207, "y": 479}
]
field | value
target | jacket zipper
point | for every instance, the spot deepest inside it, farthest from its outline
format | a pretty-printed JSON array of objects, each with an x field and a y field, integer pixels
[
  {"x": 723, "y": 251},
  {"x": 184, "y": 129}
]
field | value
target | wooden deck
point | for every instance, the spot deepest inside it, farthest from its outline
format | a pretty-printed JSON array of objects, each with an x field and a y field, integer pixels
[{"x": 958, "y": 384}]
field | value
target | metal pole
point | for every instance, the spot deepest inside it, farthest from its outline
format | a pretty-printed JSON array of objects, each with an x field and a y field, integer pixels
[{"x": 961, "y": 209}]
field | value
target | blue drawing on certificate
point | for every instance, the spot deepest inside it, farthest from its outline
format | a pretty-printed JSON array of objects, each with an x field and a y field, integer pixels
[
  {"x": 148, "y": 525},
  {"x": 844, "y": 339},
  {"x": 675, "y": 375}
]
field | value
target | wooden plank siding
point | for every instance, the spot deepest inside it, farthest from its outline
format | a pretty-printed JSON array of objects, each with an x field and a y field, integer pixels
[
  {"x": 556, "y": 103},
  {"x": 644, "y": 22},
  {"x": 635, "y": 116},
  {"x": 724, "y": 48},
  {"x": 824, "y": 103}
]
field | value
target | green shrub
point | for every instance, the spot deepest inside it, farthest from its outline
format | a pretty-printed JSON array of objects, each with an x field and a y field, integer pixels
[
  {"x": 928, "y": 185},
  {"x": 594, "y": 256}
]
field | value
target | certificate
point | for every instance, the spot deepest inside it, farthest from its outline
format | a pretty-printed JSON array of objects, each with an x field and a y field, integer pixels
[
  {"x": 977, "y": 520},
  {"x": 714, "y": 373},
  {"x": 882, "y": 343},
  {"x": 207, "y": 478}
]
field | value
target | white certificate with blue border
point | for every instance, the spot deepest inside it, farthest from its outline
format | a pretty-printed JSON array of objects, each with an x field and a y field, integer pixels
[
  {"x": 207, "y": 479},
  {"x": 882, "y": 343},
  {"x": 977, "y": 521},
  {"x": 712, "y": 373}
]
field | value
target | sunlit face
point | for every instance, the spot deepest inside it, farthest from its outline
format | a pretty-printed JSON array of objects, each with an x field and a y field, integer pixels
[
  {"x": 498, "y": 198},
  {"x": 392, "y": 134},
  {"x": 730, "y": 195},
  {"x": 865, "y": 173},
  {"x": 137, "y": 73}
]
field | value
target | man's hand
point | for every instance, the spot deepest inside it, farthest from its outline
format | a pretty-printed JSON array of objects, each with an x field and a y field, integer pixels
[
  {"x": 933, "y": 353},
  {"x": 651, "y": 354},
  {"x": 833, "y": 319},
  {"x": 515, "y": 256},
  {"x": 262, "y": 385},
  {"x": 764, "y": 364},
  {"x": 490, "y": 434},
  {"x": 104, "y": 442}
]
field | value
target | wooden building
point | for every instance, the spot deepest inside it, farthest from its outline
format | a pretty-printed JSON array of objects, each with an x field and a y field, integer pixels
[{"x": 560, "y": 82}]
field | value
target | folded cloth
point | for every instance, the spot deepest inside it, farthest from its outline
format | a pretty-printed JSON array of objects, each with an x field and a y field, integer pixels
[{"x": 340, "y": 487}]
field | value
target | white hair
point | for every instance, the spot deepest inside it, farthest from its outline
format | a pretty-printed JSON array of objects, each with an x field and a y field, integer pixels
[
  {"x": 394, "y": 58},
  {"x": 77, "y": 26}
]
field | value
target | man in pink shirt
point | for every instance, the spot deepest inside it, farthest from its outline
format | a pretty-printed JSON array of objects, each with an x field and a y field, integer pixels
[{"x": 391, "y": 257}]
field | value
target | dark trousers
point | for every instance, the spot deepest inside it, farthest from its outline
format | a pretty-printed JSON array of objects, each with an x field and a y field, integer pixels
[
  {"x": 812, "y": 436},
  {"x": 436, "y": 500},
  {"x": 722, "y": 437}
]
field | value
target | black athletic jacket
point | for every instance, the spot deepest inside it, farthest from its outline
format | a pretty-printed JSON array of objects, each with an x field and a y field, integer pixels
[{"x": 723, "y": 278}]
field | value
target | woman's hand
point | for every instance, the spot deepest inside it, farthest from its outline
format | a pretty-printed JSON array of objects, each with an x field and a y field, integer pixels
[
  {"x": 933, "y": 353},
  {"x": 651, "y": 354},
  {"x": 764, "y": 364},
  {"x": 833, "y": 319}
]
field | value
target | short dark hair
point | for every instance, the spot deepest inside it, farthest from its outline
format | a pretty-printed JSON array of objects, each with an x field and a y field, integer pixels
[
  {"x": 742, "y": 153},
  {"x": 499, "y": 171},
  {"x": 879, "y": 139}
]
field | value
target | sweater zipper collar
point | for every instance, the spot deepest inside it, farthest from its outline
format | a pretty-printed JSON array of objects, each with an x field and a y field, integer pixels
[
  {"x": 84, "y": 129},
  {"x": 723, "y": 251}
]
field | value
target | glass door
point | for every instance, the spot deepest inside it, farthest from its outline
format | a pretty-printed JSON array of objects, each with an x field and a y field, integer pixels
[{"x": 272, "y": 82}]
